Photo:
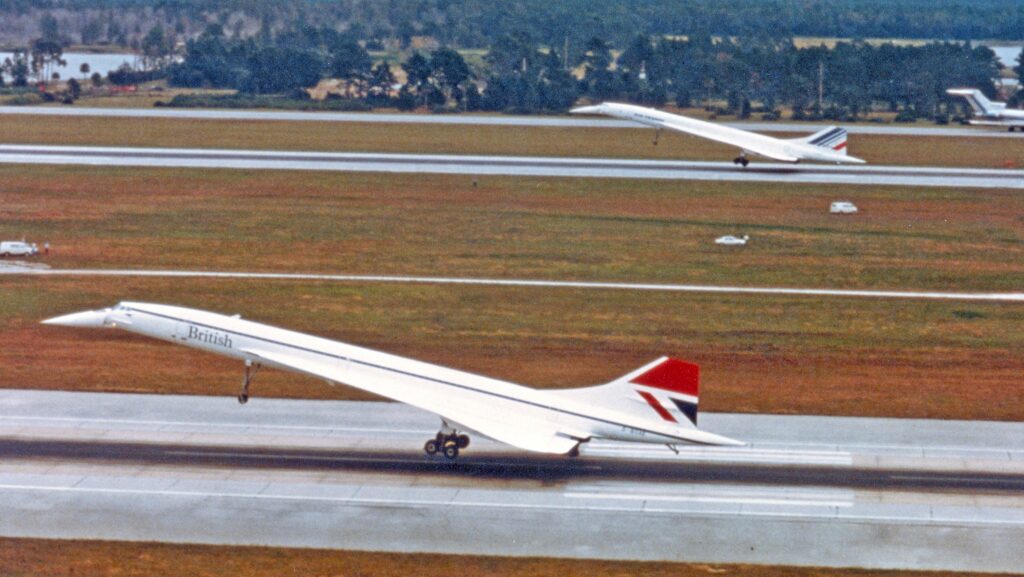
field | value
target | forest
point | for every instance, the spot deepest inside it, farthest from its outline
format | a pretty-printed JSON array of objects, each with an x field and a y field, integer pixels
[{"x": 728, "y": 56}]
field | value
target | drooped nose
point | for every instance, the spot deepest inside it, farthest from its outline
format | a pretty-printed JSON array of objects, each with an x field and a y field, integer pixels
[
  {"x": 595, "y": 109},
  {"x": 86, "y": 319}
]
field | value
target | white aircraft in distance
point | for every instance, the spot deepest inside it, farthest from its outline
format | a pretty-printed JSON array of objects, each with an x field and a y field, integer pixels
[
  {"x": 988, "y": 113},
  {"x": 656, "y": 403},
  {"x": 828, "y": 145}
]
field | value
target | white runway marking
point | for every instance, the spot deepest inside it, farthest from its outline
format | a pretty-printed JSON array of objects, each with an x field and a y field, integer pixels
[{"x": 791, "y": 291}]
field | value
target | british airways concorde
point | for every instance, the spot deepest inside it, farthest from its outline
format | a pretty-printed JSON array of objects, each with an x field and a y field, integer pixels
[
  {"x": 826, "y": 145},
  {"x": 656, "y": 403}
]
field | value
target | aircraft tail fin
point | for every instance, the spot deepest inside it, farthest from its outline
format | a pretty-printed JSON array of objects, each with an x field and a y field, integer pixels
[
  {"x": 832, "y": 138},
  {"x": 665, "y": 389},
  {"x": 981, "y": 105}
]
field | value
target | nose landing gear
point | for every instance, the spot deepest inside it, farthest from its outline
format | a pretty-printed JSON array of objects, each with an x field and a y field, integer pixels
[
  {"x": 741, "y": 160},
  {"x": 250, "y": 372}
]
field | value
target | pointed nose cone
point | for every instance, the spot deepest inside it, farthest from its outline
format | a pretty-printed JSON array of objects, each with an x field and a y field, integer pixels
[
  {"x": 596, "y": 109},
  {"x": 87, "y": 319}
]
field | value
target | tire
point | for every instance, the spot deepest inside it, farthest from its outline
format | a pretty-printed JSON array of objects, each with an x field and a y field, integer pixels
[
  {"x": 430, "y": 447},
  {"x": 451, "y": 451},
  {"x": 462, "y": 441}
]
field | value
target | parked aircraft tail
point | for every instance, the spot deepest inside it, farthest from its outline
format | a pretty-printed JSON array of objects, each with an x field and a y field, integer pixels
[
  {"x": 832, "y": 138},
  {"x": 665, "y": 389},
  {"x": 982, "y": 106}
]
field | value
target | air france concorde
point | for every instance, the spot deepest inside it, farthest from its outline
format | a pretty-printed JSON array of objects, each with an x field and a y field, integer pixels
[
  {"x": 656, "y": 403},
  {"x": 826, "y": 145}
]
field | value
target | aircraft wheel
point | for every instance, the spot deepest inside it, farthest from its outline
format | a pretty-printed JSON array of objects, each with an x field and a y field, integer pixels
[
  {"x": 744, "y": 162},
  {"x": 462, "y": 441},
  {"x": 451, "y": 450},
  {"x": 431, "y": 447},
  {"x": 243, "y": 399}
]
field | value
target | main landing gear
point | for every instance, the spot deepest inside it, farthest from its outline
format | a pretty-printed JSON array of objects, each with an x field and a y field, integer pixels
[
  {"x": 250, "y": 372},
  {"x": 447, "y": 445},
  {"x": 741, "y": 160},
  {"x": 448, "y": 442}
]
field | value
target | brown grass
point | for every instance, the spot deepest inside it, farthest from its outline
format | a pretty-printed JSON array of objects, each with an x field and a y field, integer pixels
[
  {"x": 470, "y": 139},
  {"x": 38, "y": 557},
  {"x": 762, "y": 355},
  {"x": 770, "y": 354},
  {"x": 517, "y": 227}
]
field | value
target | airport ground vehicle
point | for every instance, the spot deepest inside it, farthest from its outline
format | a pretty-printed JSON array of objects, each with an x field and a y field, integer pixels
[
  {"x": 842, "y": 207},
  {"x": 730, "y": 240},
  {"x": 17, "y": 248}
]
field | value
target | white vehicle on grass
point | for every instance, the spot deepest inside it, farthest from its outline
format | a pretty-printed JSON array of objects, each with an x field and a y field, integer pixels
[
  {"x": 656, "y": 403},
  {"x": 842, "y": 207},
  {"x": 17, "y": 248},
  {"x": 730, "y": 240}
]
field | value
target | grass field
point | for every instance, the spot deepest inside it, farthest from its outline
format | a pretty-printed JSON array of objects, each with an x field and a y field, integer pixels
[
  {"x": 469, "y": 139},
  {"x": 759, "y": 354},
  {"x": 37, "y": 557}
]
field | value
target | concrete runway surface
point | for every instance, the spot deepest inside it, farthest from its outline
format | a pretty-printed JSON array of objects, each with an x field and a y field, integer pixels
[
  {"x": 15, "y": 267},
  {"x": 479, "y": 119},
  {"x": 511, "y": 166},
  {"x": 878, "y": 493}
]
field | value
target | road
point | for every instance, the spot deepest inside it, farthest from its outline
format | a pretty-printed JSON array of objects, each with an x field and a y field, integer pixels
[
  {"x": 511, "y": 166},
  {"x": 475, "y": 119},
  {"x": 39, "y": 269},
  {"x": 877, "y": 493}
]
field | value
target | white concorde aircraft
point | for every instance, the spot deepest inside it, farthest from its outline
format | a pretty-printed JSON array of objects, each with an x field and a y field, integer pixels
[
  {"x": 828, "y": 145},
  {"x": 988, "y": 113},
  {"x": 656, "y": 403}
]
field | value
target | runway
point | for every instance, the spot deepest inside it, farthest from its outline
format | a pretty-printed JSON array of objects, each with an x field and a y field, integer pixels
[
  {"x": 39, "y": 269},
  {"x": 477, "y": 119},
  {"x": 877, "y": 493},
  {"x": 510, "y": 166}
]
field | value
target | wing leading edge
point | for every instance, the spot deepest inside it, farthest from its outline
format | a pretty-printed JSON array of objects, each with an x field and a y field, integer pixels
[
  {"x": 782, "y": 150},
  {"x": 749, "y": 141}
]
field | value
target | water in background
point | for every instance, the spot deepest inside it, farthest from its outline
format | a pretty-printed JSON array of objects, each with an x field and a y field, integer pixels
[
  {"x": 1007, "y": 55},
  {"x": 102, "y": 63}
]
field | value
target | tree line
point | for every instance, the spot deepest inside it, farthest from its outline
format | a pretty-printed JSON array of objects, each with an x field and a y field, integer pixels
[
  {"x": 516, "y": 74},
  {"x": 474, "y": 23},
  {"x": 744, "y": 75}
]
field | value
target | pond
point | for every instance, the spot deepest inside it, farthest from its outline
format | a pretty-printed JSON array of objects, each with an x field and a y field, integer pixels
[{"x": 102, "y": 63}]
